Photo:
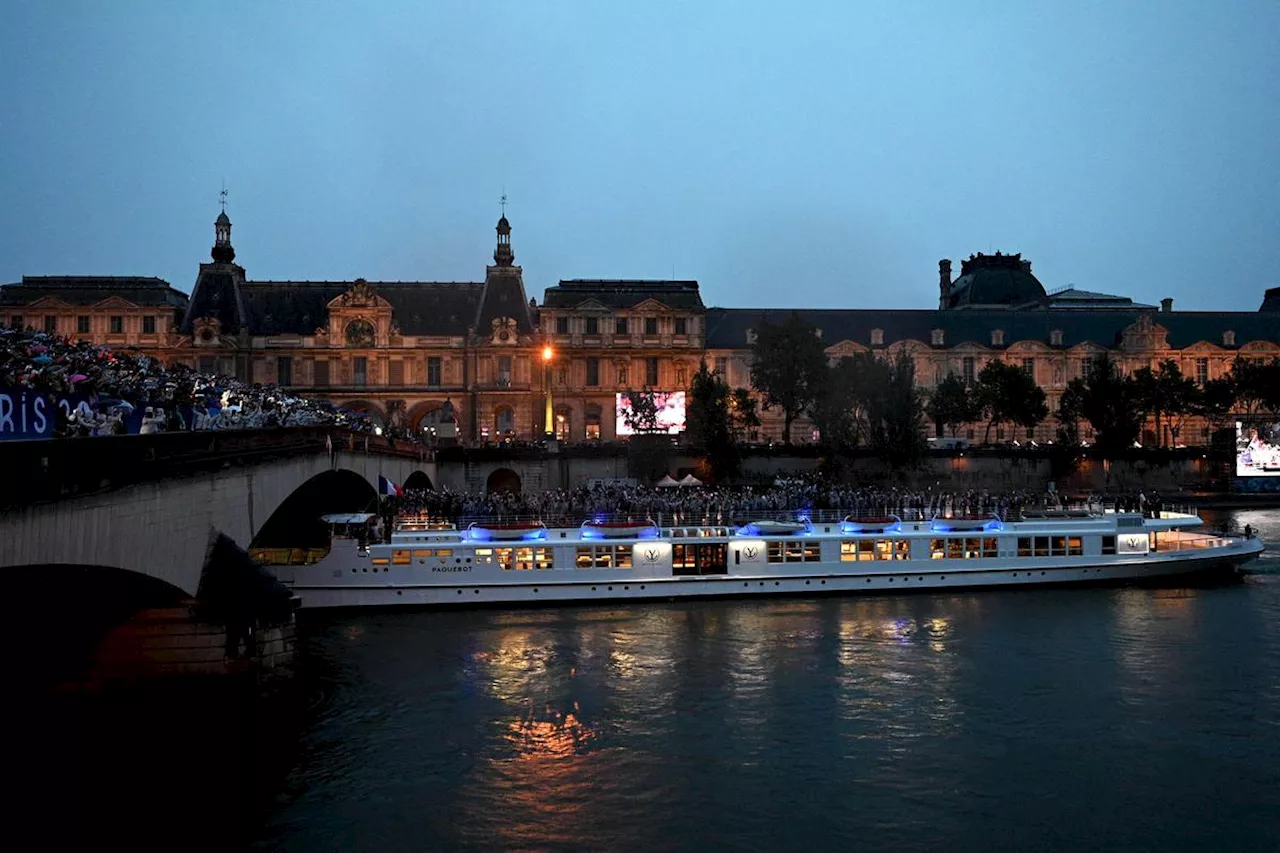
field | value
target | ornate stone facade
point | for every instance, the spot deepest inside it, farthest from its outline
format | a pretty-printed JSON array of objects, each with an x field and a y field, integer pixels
[{"x": 476, "y": 360}]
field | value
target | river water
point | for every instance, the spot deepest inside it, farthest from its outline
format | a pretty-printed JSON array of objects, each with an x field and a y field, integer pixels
[
  {"x": 1059, "y": 719},
  {"x": 1066, "y": 719}
]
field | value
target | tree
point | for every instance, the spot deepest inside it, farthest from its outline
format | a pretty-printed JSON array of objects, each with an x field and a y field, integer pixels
[
  {"x": 837, "y": 406},
  {"x": 951, "y": 405},
  {"x": 708, "y": 428},
  {"x": 1110, "y": 404},
  {"x": 1070, "y": 411},
  {"x": 1257, "y": 385},
  {"x": 1216, "y": 402},
  {"x": 1006, "y": 393},
  {"x": 893, "y": 409},
  {"x": 1165, "y": 392},
  {"x": 1180, "y": 396},
  {"x": 641, "y": 414},
  {"x": 788, "y": 367},
  {"x": 743, "y": 415}
]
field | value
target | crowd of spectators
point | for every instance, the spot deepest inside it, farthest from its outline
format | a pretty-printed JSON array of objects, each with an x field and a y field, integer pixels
[
  {"x": 813, "y": 495},
  {"x": 108, "y": 392}
]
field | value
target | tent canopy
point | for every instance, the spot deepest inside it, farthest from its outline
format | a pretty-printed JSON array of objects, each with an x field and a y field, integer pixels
[
  {"x": 690, "y": 480},
  {"x": 667, "y": 482}
]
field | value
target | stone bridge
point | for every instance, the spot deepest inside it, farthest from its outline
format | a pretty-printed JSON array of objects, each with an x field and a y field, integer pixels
[{"x": 146, "y": 503}]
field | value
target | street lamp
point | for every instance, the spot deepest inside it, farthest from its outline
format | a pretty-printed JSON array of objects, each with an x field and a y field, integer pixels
[{"x": 548, "y": 425}]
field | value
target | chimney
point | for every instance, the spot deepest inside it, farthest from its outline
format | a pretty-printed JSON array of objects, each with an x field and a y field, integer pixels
[
  {"x": 944, "y": 283},
  {"x": 1166, "y": 305}
]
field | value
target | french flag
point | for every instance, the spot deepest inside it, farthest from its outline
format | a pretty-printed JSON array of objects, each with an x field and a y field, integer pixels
[{"x": 386, "y": 487}]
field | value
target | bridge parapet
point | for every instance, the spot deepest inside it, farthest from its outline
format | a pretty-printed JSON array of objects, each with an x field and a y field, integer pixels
[{"x": 51, "y": 470}]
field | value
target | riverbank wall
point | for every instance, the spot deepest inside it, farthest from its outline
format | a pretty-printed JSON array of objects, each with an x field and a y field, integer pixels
[{"x": 1171, "y": 472}]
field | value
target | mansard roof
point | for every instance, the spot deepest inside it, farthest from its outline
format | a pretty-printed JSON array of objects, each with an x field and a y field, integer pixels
[
  {"x": 88, "y": 290},
  {"x": 217, "y": 293},
  {"x": 727, "y": 327},
  {"x": 1271, "y": 300},
  {"x": 623, "y": 293},
  {"x": 502, "y": 295},
  {"x": 443, "y": 308},
  {"x": 1072, "y": 297}
]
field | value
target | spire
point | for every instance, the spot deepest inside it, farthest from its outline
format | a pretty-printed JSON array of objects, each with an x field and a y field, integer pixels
[
  {"x": 503, "y": 256},
  {"x": 223, "y": 253}
]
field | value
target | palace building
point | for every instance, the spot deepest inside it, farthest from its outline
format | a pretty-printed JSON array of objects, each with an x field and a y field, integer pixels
[{"x": 483, "y": 362}]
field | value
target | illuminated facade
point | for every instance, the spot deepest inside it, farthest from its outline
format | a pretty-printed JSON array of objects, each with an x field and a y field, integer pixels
[
  {"x": 480, "y": 361},
  {"x": 117, "y": 311}
]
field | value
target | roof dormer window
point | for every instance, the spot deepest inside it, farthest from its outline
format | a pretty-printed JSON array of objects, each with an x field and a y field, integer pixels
[
  {"x": 997, "y": 337},
  {"x": 1229, "y": 338},
  {"x": 1055, "y": 338},
  {"x": 751, "y": 336},
  {"x": 938, "y": 338},
  {"x": 877, "y": 337}
]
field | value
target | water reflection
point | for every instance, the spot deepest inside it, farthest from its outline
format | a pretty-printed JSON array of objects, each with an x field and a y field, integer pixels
[
  {"x": 799, "y": 724},
  {"x": 1153, "y": 633},
  {"x": 556, "y": 735}
]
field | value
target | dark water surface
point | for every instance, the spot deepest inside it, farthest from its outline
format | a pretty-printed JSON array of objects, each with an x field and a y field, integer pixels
[{"x": 1067, "y": 719}]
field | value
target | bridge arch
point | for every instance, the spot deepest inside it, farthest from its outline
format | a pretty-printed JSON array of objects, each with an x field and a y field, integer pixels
[
  {"x": 503, "y": 480},
  {"x": 296, "y": 522},
  {"x": 418, "y": 480},
  {"x": 66, "y": 612}
]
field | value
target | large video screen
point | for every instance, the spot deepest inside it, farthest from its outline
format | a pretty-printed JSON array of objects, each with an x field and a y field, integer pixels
[
  {"x": 670, "y": 413},
  {"x": 1257, "y": 449}
]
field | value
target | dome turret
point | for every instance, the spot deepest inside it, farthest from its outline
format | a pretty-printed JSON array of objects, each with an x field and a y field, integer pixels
[{"x": 998, "y": 281}]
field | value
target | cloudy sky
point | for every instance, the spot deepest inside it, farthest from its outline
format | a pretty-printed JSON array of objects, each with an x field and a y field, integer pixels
[{"x": 807, "y": 154}]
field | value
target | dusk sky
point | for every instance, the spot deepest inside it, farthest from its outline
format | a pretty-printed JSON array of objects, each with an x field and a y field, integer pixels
[{"x": 807, "y": 155}]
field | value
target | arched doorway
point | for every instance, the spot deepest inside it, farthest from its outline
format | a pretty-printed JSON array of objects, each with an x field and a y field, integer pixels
[
  {"x": 434, "y": 420},
  {"x": 365, "y": 407},
  {"x": 296, "y": 522},
  {"x": 503, "y": 480},
  {"x": 418, "y": 480}
]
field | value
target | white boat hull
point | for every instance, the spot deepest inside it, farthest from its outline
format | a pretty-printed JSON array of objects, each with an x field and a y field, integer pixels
[{"x": 468, "y": 588}]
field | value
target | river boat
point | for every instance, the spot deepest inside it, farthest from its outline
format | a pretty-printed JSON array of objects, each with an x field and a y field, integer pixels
[{"x": 529, "y": 562}]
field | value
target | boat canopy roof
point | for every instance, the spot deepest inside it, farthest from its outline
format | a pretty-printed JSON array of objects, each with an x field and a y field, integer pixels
[{"x": 347, "y": 518}]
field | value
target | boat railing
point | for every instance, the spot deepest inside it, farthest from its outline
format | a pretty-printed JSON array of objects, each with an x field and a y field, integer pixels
[{"x": 689, "y": 517}]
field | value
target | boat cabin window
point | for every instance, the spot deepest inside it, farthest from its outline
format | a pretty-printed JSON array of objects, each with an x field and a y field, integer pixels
[
  {"x": 1108, "y": 544},
  {"x": 401, "y": 557},
  {"x": 858, "y": 550},
  {"x": 603, "y": 557},
  {"x": 520, "y": 559},
  {"x": 963, "y": 548},
  {"x": 1054, "y": 546},
  {"x": 793, "y": 551}
]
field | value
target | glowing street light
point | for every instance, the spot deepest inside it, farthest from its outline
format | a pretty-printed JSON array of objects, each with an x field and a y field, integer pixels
[{"x": 548, "y": 425}]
